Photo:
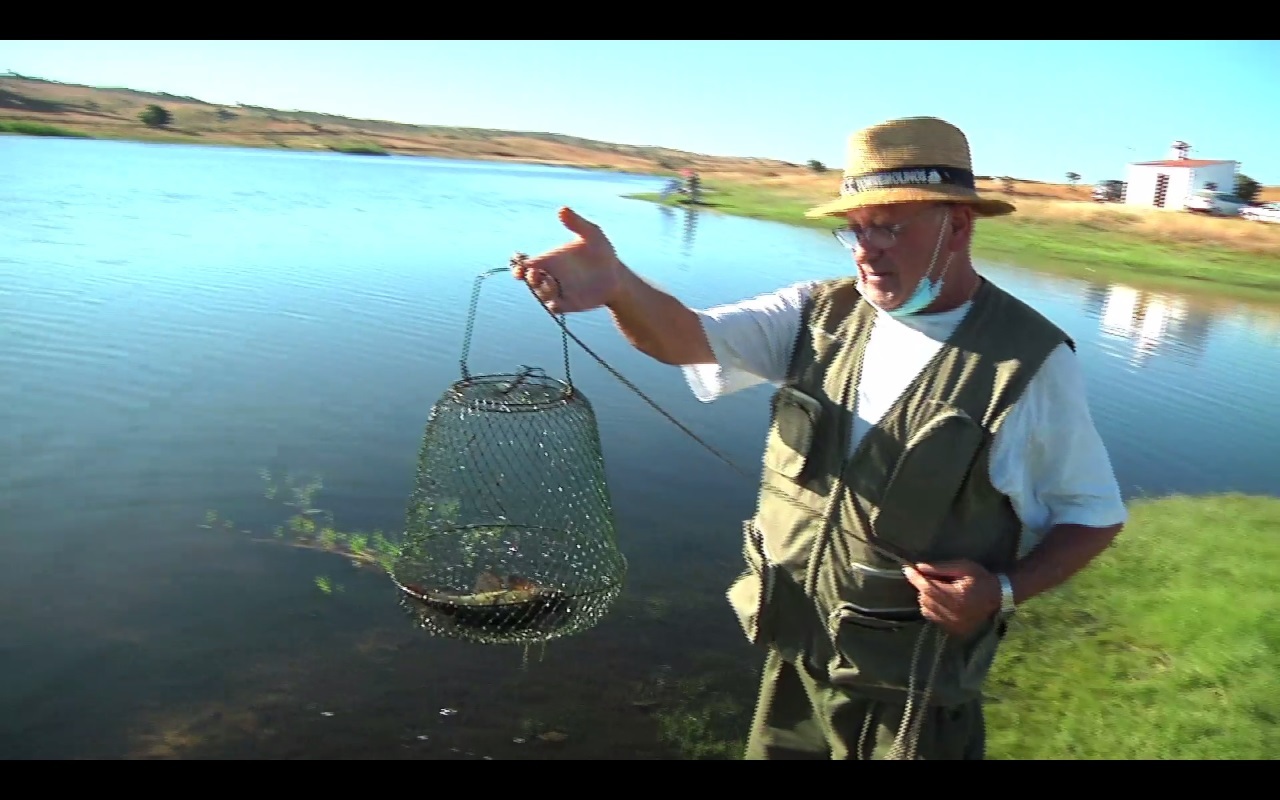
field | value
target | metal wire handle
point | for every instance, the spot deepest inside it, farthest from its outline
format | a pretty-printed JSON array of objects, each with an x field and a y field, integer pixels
[
  {"x": 471, "y": 319},
  {"x": 559, "y": 319}
]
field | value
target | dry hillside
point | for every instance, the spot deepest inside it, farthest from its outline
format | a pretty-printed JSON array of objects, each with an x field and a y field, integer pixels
[{"x": 114, "y": 113}]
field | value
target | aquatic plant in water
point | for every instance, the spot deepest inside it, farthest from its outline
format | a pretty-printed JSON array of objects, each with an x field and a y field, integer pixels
[{"x": 309, "y": 527}]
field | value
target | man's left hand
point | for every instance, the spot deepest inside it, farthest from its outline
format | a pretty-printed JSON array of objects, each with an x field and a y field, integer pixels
[{"x": 957, "y": 595}]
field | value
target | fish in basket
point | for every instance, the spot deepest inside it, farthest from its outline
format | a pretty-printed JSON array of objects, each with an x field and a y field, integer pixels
[{"x": 495, "y": 605}]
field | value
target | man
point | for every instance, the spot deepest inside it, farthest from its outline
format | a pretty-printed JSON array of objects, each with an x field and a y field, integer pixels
[{"x": 931, "y": 462}]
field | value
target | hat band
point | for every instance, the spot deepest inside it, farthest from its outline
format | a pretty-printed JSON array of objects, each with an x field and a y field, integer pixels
[{"x": 928, "y": 175}]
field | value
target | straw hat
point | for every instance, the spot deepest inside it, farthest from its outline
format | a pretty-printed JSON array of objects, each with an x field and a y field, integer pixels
[{"x": 909, "y": 160}]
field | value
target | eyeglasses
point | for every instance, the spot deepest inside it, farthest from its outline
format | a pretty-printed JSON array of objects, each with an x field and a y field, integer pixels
[{"x": 878, "y": 236}]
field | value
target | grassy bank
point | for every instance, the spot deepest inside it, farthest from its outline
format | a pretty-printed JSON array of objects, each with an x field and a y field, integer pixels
[
  {"x": 1150, "y": 248},
  {"x": 39, "y": 129},
  {"x": 1165, "y": 650}
]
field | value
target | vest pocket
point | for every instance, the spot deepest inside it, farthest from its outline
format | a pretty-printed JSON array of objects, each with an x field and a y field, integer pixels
[
  {"x": 926, "y": 481},
  {"x": 749, "y": 594},
  {"x": 876, "y": 656},
  {"x": 791, "y": 432}
]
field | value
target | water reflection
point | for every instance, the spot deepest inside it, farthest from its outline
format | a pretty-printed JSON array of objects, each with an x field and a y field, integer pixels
[
  {"x": 1138, "y": 325},
  {"x": 1262, "y": 324},
  {"x": 689, "y": 226},
  {"x": 1150, "y": 322}
]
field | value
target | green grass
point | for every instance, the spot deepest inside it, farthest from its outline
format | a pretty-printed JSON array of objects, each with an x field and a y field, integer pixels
[
  {"x": 39, "y": 129},
  {"x": 1059, "y": 247},
  {"x": 360, "y": 149},
  {"x": 742, "y": 200},
  {"x": 1083, "y": 250},
  {"x": 1165, "y": 649}
]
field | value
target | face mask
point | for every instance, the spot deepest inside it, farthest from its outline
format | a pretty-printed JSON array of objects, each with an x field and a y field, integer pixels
[{"x": 927, "y": 289}]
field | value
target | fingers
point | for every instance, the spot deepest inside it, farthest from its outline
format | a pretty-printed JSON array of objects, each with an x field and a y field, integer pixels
[
  {"x": 948, "y": 570},
  {"x": 952, "y": 594},
  {"x": 571, "y": 220},
  {"x": 521, "y": 270},
  {"x": 934, "y": 591},
  {"x": 916, "y": 579},
  {"x": 941, "y": 595},
  {"x": 519, "y": 266},
  {"x": 939, "y": 602},
  {"x": 936, "y": 612},
  {"x": 544, "y": 285}
]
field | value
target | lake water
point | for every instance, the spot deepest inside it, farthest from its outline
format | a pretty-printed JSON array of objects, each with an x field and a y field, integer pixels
[{"x": 175, "y": 319}]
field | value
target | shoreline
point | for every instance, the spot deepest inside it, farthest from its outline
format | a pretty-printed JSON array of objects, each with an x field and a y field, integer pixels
[
  {"x": 1077, "y": 250},
  {"x": 1082, "y": 249}
]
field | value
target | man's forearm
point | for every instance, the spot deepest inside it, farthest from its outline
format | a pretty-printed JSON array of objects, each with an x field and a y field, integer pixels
[
  {"x": 657, "y": 324},
  {"x": 1065, "y": 551}
]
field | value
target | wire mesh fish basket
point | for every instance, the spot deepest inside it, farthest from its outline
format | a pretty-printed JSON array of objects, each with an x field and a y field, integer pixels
[{"x": 510, "y": 534}]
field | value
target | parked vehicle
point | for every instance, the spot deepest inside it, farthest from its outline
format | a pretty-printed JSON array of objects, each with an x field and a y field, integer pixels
[
  {"x": 1218, "y": 204},
  {"x": 1264, "y": 212},
  {"x": 1108, "y": 192}
]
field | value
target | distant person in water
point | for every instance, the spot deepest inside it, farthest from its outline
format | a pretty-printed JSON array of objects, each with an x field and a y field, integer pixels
[{"x": 931, "y": 462}]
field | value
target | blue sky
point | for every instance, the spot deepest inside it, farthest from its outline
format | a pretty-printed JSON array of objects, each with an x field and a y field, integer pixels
[{"x": 1031, "y": 109}]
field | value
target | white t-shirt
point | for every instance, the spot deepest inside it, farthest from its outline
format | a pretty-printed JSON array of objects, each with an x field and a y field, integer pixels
[{"x": 1047, "y": 457}]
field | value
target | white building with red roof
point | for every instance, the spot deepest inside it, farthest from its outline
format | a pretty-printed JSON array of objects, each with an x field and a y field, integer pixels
[{"x": 1169, "y": 182}]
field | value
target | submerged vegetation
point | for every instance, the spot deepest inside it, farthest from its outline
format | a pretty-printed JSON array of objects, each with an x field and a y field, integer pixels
[
  {"x": 704, "y": 716},
  {"x": 311, "y": 528},
  {"x": 308, "y": 527}
]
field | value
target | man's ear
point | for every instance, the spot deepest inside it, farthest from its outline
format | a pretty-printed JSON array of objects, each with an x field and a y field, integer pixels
[{"x": 962, "y": 223}]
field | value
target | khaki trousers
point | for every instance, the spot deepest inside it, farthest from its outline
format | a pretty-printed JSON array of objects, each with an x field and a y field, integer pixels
[{"x": 800, "y": 717}]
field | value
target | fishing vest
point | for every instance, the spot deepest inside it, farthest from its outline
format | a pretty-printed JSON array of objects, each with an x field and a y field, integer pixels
[{"x": 916, "y": 486}]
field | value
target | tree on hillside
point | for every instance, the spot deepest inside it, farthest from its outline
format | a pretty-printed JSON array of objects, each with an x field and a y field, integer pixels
[
  {"x": 1247, "y": 188},
  {"x": 1073, "y": 177},
  {"x": 817, "y": 166},
  {"x": 154, "y": 116}
]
